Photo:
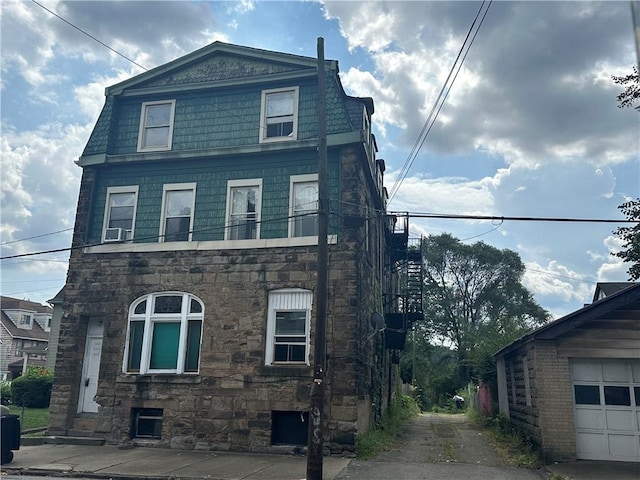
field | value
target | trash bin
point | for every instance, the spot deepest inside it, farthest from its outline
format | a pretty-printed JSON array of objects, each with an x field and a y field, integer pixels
[{"x": 9, "y": 435}]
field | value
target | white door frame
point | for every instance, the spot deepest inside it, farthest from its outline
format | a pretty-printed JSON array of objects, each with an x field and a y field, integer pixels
[{"x": 91, "y": 367}]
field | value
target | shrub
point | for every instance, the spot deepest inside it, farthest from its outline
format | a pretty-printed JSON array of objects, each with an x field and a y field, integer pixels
[
  {"x": 5, "y": 392},
  {"x": 32, "y": 390}
]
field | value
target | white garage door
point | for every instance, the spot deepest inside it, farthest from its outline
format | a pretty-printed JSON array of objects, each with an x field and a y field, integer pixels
[{"x": 606, "y": 396}]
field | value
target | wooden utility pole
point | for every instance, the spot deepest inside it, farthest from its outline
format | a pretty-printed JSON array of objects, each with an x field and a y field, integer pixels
[{"x": 316, "y": 411}]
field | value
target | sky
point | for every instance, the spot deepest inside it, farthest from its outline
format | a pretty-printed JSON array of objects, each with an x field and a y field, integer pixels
[{"x": 530, "y": 128}]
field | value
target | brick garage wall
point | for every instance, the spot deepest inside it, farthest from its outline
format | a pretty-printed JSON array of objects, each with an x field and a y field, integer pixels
[
  {"x": 555, "y": 403},
  {"x": 540, "y": 398}
]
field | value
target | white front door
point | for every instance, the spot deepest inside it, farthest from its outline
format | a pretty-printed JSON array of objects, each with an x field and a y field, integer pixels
[
  {"x": 606, "y": 395},
  {"x": 91, "y": 369}
]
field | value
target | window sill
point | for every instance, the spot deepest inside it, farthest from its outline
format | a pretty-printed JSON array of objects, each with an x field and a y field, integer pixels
[
  {"x": 179, "y": 378},
  {"x": 132, "y": 247},
  {"x": 285, "y": 371}
]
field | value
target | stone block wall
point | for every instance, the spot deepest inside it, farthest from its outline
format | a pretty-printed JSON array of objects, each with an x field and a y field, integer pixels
[{"x": 229, "y": 404}]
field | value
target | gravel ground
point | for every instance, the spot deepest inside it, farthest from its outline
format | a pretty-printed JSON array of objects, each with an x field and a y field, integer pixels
[
  {"x": 437, "y": 437},
  {"x": 438, "y": 446}
]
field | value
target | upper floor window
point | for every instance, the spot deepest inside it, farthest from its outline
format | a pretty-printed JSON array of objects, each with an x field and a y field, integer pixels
[
  {"x": 156, "y": 126},
  {"x": 288, "y": 326},
  {"x": 164, "y": 334},
  {"x": 120, "y": 213},
  {"x": 304, "y": 206},
  {"x": 177, "y": 212},
  {"x": 25, "y": 319},
  {"x": 244, "y": 198},
  {"x": 279, "y": 114}
]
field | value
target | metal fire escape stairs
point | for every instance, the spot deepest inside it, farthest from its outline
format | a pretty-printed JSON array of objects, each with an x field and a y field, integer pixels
[{"x": 403, "y": 298}]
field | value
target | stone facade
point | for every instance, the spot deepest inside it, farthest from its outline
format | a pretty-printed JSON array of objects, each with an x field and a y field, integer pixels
[{"x": 229, "y": 404}]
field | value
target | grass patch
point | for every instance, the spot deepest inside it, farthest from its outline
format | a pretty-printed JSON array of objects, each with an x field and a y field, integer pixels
[
  {"x": 31, "y": 417},
  {"x": 380, "y": 437},
  {"x": 516, "y": 450}
]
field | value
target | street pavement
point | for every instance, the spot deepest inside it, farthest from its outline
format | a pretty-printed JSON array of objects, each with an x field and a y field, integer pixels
[{"x": 433, "y": 446}]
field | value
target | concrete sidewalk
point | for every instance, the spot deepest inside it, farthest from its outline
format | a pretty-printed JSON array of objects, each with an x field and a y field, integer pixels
[{"x": 155, "y": 463}]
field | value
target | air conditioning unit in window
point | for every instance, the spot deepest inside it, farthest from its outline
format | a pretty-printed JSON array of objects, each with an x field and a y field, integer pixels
[{"x": 116, "y": 235}]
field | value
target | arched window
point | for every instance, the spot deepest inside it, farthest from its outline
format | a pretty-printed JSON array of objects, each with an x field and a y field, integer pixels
[{"x": 164, "y": 333}]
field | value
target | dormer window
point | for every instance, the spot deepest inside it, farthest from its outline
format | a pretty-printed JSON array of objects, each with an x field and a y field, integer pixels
[
  {"x": 156, "y": 126},
  {"x": 25, "y": 319},
  {"x": 279, "y": 117}
]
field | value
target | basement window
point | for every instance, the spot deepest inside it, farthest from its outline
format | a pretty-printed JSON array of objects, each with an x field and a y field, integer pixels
[
  {"x": 146, "y": 423},
  {"x": 289, "y": 428}
]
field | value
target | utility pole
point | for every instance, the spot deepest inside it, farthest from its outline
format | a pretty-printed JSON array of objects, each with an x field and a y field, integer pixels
[{"x": 316, "y": 411}]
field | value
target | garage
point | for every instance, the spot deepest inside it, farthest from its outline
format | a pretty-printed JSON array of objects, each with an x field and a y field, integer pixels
[{"x": 606, "y": 396}]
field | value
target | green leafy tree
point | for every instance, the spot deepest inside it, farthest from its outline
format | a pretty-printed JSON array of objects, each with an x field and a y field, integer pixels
[
  {"x": 630, "y": 97},
  {"x": 630, "y": 236},
  {"x": 431, "y": 369},
  {"x": 474, "y": 301}
]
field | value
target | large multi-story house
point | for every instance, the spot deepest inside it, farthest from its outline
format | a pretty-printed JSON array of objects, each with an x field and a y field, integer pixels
[
  {"x": 24, "y": 335},
  {"x": 189, "y": 312}
]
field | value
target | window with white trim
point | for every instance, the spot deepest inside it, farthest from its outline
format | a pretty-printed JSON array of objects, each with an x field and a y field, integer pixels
[
  {"x": 156, "y": 126},
  {"x": 288, "y": 325},
  {"x": 304, "y": 206},
  {"x": 244, "y": 199},
  {"x": 279, "y": 114},
  {"x": 164, "y": 334},
  {"x": 177, "y": 212},
  {"x": 120, "y": 213}
]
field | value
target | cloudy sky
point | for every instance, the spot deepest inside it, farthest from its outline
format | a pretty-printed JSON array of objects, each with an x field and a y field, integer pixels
[{"x": 530, "y": 127}]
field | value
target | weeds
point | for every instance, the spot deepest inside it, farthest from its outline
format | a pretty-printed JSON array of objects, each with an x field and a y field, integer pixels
[
  {"x": 510, "y": 443},
  {"x": 380, "y": 437}
]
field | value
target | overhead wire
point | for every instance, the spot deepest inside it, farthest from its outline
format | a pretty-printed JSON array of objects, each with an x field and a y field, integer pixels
[
  {"x": 335, "y": 214},
  {"x": 36, "y": 236},
  {"x": 186, "y": 90},
  {"x": 440, "y": 100}
]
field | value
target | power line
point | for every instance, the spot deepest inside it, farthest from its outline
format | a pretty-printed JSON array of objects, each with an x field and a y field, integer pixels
[
  {"x": 505, "y": 218},
  {"x": 36, "y": 236},
  {"x": 546, "y": 272},
  {"x": 399, "y": 214},
  {"x": 179, "y": 87},
  {"x": 33, "y": 281},
  {"x": 440, "y": 100},
  {"x": 89, "y": 35}
]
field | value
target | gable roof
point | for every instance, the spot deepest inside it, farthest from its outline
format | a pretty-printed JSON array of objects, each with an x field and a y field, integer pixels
[
  {"x": 36, "y": 332},
  {"x": 604, "y": 289},
  {"x": 217, "y": 63},
  {"x": 10, "y": 303},
  {"x": 623, "y": 300}
]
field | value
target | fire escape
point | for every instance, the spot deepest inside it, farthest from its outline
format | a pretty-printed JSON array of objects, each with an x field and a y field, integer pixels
[{"x": 403, "y": 292}]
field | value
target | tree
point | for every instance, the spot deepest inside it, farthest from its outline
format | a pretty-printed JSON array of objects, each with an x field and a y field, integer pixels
[
  {"x": 431, "y": 369},
  {"x": 630, "y": 237},
  {"x": 631, "y": 94},
  {"x": 474, "y": 301}
]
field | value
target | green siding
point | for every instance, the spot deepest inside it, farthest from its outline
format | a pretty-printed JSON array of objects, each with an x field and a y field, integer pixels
[
  {"x": 214, "y": 119},
  {"x": 211, "y": 178}
]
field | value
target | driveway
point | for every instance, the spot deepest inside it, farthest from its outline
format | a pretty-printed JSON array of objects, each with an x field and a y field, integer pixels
[{"x": 438, "y": 447}]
